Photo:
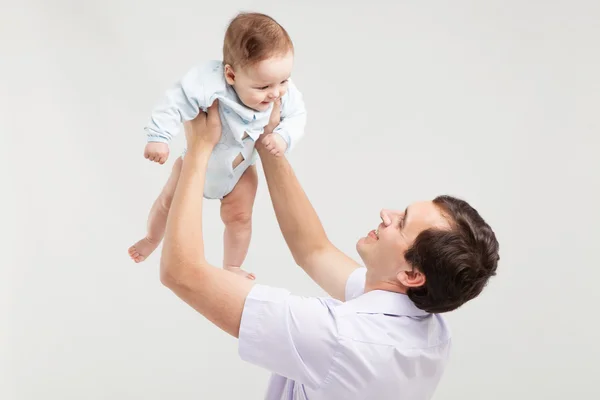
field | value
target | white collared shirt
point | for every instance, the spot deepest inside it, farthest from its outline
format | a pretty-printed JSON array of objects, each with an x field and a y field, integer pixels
[{"x": 377, "y": 345}]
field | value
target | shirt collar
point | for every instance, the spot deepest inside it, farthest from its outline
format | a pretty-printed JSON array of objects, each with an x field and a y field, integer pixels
[{"x": 385, "y": 302}]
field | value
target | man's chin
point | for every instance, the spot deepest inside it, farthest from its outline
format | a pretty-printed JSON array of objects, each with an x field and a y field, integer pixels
[{"x": 360, "y": 247}]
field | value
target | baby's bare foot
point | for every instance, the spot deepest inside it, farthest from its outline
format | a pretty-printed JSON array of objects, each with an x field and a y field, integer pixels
[
  {"x": 142, "y": 249},
  {"x": 240, "y": 272}
]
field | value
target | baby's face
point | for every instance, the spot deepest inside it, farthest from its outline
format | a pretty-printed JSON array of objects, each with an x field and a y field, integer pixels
[{"x": 261, "y": 84}]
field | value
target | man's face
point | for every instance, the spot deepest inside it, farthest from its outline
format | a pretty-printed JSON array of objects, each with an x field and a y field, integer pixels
[
  {"x": 382, "y": 250},
  {"x": 259, "y": 85}
]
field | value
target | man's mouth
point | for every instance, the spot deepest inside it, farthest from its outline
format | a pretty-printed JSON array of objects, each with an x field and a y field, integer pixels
[{"x": 374, "y": 234}]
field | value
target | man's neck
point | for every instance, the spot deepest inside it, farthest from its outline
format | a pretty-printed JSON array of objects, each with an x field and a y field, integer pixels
[{"x": 375, "y": 283}]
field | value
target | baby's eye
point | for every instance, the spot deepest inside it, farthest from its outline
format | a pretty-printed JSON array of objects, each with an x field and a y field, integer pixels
[{"x": 263, "y": 88}]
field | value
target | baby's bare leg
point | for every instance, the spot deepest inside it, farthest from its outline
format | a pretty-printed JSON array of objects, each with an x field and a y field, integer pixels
[
  {"x": 157, "y": 220},
  {"x": 236, "y": 213}
]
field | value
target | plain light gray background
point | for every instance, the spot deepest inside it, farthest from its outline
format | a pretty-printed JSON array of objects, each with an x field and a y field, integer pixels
[{"x": 493, "y": 101}]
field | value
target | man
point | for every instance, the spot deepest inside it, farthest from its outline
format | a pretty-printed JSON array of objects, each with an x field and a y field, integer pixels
[{"x": 381, "y": 335}]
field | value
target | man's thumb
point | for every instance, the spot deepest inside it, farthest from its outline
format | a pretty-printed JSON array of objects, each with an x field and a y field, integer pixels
[{"x": 213, "y": 112}]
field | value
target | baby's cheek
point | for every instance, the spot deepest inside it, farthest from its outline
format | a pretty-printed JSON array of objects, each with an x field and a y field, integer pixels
[
  {"x": 250, "y": 99},
  {"x": 256, "y": 98}
]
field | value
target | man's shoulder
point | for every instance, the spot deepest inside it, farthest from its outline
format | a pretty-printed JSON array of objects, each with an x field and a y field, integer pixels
[{"x": 390, "y": 319}]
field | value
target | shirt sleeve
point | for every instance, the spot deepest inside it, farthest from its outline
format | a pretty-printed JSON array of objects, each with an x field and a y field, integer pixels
[
  {"x": 355, "y": 285},
  {"x": 182, "y": 102},
  {"x": 293, "y": 117},
  {"x": 291, "y": 336}
]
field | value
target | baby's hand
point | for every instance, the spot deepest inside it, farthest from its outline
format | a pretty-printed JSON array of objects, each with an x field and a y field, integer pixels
[
  {"x": 275, "y": 144},
  {"x": 157, "y": 152}
]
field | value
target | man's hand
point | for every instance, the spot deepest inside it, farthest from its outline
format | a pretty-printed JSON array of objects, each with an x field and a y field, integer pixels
[
  {"x": 204, "y": 130},
  {"x": 268, "y": 133},
  {"x": 275, "y": 117},
  {"x": 157, "y": 152}
]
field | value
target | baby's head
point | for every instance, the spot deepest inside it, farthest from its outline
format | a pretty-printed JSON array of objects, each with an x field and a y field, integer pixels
[{"x": 258, "y": 55}]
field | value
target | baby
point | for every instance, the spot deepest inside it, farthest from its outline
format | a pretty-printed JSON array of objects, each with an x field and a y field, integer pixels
[{"x": 258, "y": 56}]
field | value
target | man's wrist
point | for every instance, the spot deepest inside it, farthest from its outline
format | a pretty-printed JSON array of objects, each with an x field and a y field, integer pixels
[
  {"x": 202, "y": 144},
  {"x": 200, "y": 151}
]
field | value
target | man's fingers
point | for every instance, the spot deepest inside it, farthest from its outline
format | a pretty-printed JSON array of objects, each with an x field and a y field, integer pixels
[
  {"x": 275, "y": 117},
  {"x": 213, "y": 106},
  {"x": 276, "y": 111},
  {"x": 213, "y": 113},
  {"x": 276, "y": 105}
]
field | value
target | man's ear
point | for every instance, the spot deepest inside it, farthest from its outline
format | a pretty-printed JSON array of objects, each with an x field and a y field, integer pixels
[
  {"x": 229, "y": 74},
  {"x": 411, "y": 279}
]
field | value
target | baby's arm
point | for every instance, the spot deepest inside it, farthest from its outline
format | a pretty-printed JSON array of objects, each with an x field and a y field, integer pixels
[
  {"x": 181, "y": 103},
  {"x": 293, "y": 117}
]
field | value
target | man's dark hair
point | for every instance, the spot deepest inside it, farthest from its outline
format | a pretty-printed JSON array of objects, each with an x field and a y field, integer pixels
[{"x": 457, "y": 263}]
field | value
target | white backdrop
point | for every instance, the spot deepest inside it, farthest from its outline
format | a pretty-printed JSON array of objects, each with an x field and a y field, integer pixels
[{"x": 493, "y": 101}]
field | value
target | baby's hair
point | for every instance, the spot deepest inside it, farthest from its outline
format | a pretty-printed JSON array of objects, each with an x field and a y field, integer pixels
[{"x": 253, "y": 37}]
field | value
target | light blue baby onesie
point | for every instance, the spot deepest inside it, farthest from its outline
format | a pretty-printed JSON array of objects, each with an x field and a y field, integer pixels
[{"x": 196, "y": 91}]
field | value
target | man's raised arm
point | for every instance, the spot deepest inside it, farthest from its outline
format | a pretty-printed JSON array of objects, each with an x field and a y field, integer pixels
[{"x": 300, "y": 225}]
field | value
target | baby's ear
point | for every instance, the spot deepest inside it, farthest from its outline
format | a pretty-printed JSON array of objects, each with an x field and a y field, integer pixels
[{"x": 229, "y": 74}]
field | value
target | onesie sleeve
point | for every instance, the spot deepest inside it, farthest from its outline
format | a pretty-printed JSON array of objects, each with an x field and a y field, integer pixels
[
  {"x": 293, "y": 117},
  {"x": 182, "y": 102}
]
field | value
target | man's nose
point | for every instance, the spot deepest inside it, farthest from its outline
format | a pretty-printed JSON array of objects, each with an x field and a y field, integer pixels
[{"x": 388, "y": 216}]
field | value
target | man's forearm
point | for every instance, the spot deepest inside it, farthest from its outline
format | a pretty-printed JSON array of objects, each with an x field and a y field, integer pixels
[
  {"x": 215, "y": 293},
  {"x": 298, "y": 221},
  {"x": 183, "y": 245}
]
